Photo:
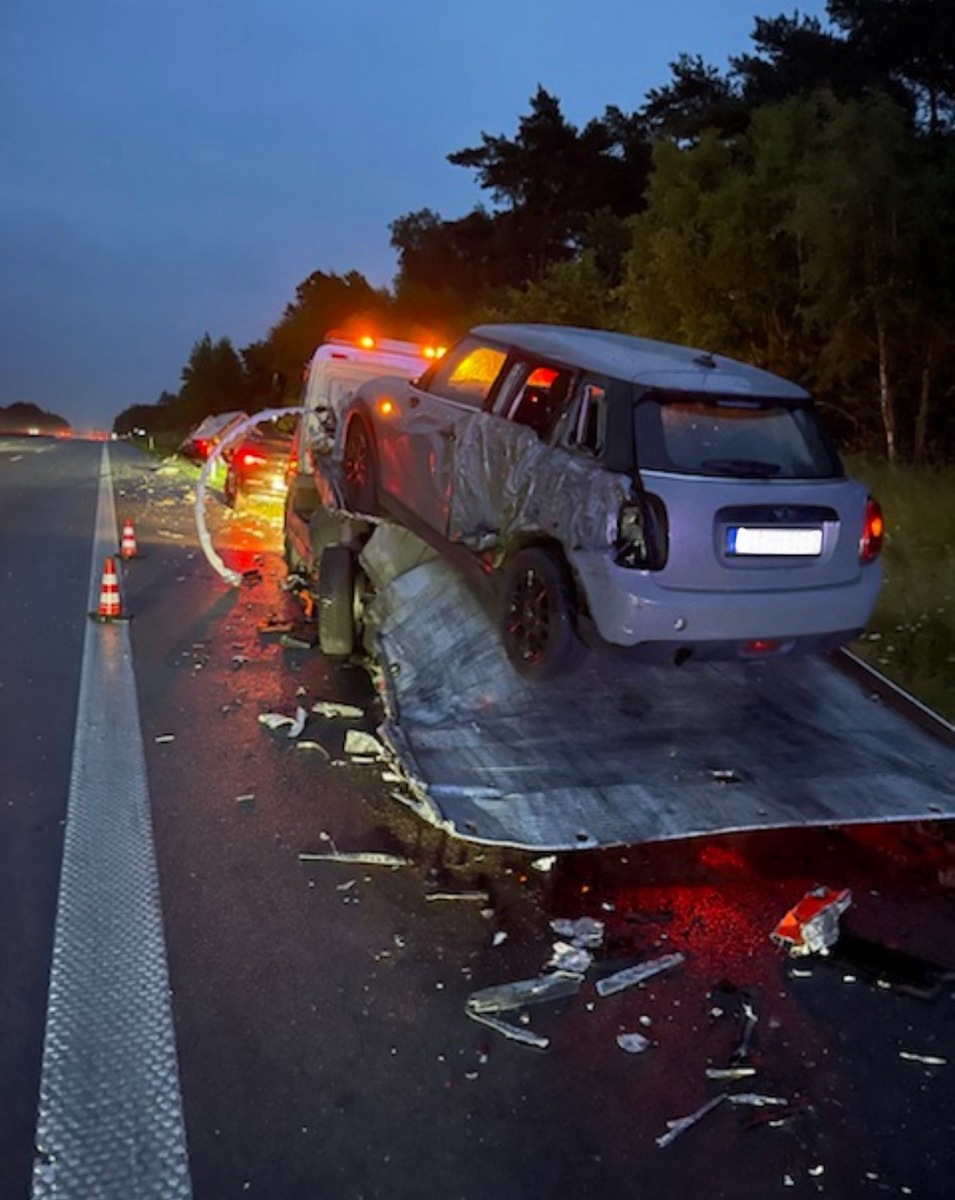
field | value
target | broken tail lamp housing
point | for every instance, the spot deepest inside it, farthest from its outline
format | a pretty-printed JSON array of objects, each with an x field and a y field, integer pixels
[
  {"x": 642, "y": 534},
  {"x": 873, "y": 531}
]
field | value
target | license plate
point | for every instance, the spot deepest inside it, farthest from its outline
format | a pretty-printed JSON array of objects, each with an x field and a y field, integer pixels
[{"x": 744, "y": 539}]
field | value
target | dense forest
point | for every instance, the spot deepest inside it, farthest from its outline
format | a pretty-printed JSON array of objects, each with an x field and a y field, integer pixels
[{"x": 796, "y": 210}]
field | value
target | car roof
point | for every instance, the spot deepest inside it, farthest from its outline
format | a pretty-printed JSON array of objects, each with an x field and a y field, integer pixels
[{"x": 642, "y": 360}]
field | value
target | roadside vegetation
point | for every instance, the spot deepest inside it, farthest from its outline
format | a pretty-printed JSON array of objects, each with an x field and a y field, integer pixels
[{"x": 911, "y": 637}]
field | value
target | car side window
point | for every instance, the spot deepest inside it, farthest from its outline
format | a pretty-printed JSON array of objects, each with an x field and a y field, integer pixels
[
  {"x": 467, "y": 373},
  {"x": 537, "y": 399},
  {"x": 587, "y": 425}
]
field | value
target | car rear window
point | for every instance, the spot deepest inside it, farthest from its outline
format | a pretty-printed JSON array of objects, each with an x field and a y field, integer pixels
[{"x": 720, "y": 436}]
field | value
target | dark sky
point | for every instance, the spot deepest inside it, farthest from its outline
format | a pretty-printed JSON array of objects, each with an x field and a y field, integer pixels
[{"x": 175, "y": 167}]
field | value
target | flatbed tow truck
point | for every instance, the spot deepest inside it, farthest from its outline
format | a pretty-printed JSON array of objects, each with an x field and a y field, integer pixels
[{"x": 616, "y": 753}]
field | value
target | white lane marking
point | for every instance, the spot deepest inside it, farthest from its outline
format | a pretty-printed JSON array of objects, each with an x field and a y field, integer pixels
[{"x": 110, "y": 1121}]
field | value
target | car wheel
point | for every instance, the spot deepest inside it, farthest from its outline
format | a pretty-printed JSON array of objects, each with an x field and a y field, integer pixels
[
  {"x": 337, "y": 624},
  {"x": 538, "y": 618},
  {"x": 359, "y": 469}
]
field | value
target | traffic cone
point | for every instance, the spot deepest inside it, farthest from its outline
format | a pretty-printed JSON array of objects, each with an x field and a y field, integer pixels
[
  {"x": 127, "y": 547},
  {"x": 110, "y": 607}
]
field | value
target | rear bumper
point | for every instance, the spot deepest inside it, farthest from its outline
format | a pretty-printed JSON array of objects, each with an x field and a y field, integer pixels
[{"x": 630, "y": 608}]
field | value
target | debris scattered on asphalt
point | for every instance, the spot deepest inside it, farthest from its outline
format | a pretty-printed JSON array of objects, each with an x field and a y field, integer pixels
[
  {"x": 633, "y": 1043},
  {"x": 307, "y": 744},
  {"x": 729, "y": 1072},
  {"x": 749, "y": 1021},
  {"x": 584, "y": 931},
  {"x": 503, "y": 997},
  {"x": 473, "y": 896},
  {"x": 755, "y": 1100},
  {"x": 367, "y": 858},
  {"x": 680, "y": 1124},
  {"x": 544, "y": 863},
  {"x": 245, "y": 798},
  {"x": 637, "y": 974},
  {"x": 565, "y": 957},
  {"x": 165, "y": 737},
  {"x": 273, "y": 625},
  {"x": 297, "y": 641},
  {"x": 330, "y": 709},
  {"x": 930, "y": 1060},
  {"x": 499, "y": 938},
  {"x": 812, "y": 926},
  {"x": 515, "y": 1032},
  {"x": 724, "y": 775},
  {"x": 361, "y": 745},
  {"x": 887, "y": 967},
  {"x": 275, "y": 721}
]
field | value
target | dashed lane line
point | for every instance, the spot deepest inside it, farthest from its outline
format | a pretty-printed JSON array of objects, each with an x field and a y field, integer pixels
[{"x": 110, "y": 1123}]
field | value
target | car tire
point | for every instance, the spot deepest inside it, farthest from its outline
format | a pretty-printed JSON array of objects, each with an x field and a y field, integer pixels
[
  {"x": 539, "y": 615},
  {"x": 337, "y": 625},
  {"x": 359, "y": 469}
]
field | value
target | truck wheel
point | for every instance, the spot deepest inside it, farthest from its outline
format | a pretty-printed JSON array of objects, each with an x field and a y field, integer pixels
[
  {"x": 359, "y": 469},
  {"x": 337, "y": 631},
  {"x": 538, "y": 617}
]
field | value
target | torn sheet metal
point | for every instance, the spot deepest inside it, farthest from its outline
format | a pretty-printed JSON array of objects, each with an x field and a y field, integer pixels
[{"x": 621, "y": 753}]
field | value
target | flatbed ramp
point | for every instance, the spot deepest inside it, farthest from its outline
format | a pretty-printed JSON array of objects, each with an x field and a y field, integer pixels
[{"x": 621, "y": 753}]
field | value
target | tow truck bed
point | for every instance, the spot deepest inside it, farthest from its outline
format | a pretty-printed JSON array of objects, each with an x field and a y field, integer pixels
[{"x": 620, "y": 753}]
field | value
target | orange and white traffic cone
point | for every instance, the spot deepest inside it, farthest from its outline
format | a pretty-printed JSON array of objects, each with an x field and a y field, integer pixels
[
  {"x": 110, "y": 606},
  {"x": 128, "y": 547}
]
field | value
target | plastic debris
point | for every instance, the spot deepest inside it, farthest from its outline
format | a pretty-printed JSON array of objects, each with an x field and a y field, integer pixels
[
  {"x": 243, "y": 799},
  {"x": 749, "y": 1021},
  {"x": 473, "y": 897},
  {"x": 330, "y": 709},
  {"x": 162, "y": 738},
  {"x": 515, "y": 1032},
  {"x": 637, "y": 974},
  {"x": 633, "y": 1043},
  {"x": 503, "y": 997},
  {"x": 729, "y": 1072},
  {"x": 812, "y": 926},
  {"x": 755, "y": 1100},
  {"x": 499, "y": 938},
  {"x": 275, "y": 721},
  {"x": 359, "y": 744},
  {"x": 544, "y": 863},
  {"x": 311, "y": 745},
  {"x": 366, "y": 858},
  {"x": 565, "y": 957},
  {"x": 680, "y": 1124},
  {"x": 584, "y": 931},
  {"x": 930, "y": 1060}
]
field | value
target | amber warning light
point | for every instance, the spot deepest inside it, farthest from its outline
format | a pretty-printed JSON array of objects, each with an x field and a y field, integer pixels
[{"x": 386, "y": 406}]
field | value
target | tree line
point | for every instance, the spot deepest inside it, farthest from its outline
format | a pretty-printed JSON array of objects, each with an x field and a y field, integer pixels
[{"x": 796, "y": 210}]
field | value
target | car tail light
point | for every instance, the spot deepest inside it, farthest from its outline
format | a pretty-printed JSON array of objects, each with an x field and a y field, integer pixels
[
  {"x": 249, "y": 458},
  {"x": 873, "y": 532},
  {"x": 642, "y": 534},
  {"x": 202, "y": 447}
]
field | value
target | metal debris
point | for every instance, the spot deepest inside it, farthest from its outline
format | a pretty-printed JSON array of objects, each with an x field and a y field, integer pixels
[
  {"x": 755, "y": 1100},
  {"x": 367, "y": 858},
  {"x": 584, "y": 931},
  {"x": 474, "y": 897},
  {"x": 515, "y": 1032},
  {"x": 930, "y": 1060},
  {"x": 311, "y": 745},
  {"x": 749, "y": 1022},
  {"x": 729, "y": 1072},
  {"x": 329, "y": 708},
  {"x": 812, "y": 926},
  {"x": 680, "y": 1124},
  {"x": 633, "y": 1043},
  {"x": 637, "y": 974},
  {"x": 505, "y": 996}
]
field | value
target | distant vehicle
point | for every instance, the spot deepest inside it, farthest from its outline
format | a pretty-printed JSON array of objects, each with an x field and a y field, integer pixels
[
  {"x": 337, "y": 368},
  {"x": 655, "y": 497},
  {"x": 199, "y": 443},
  {"x": 258, "y": 466}
]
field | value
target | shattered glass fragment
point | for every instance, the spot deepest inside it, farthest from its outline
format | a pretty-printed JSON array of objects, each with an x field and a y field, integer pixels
[{"x": 637, "y": 974}]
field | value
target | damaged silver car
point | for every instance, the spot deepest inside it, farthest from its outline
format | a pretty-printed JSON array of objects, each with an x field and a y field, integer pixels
[{"x": 658, "y": 498}]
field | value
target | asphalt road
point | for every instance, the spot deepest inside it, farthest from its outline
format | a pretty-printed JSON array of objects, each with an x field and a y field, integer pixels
[{"x": 319, "y": 1008}]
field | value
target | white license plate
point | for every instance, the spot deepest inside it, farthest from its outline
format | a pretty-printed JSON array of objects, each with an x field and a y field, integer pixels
[{"x": 744, "y": 539}]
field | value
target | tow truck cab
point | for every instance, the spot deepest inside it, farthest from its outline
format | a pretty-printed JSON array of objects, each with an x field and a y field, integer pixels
[{"x": 337, "y": 368}]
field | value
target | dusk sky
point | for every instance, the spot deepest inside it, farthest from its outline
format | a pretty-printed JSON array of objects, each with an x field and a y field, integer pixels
[{"x": 170, "y": 168}]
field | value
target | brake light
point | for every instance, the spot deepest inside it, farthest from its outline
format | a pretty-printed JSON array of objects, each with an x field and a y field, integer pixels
[
  {"x": 367, "y": 342},
  {"x": 202, "y": 448},
  {"x": 873, "y": 532}
]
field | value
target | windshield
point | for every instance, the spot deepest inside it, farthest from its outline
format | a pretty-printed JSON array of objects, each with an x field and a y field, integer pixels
[{"x": 743, "y": 438}]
